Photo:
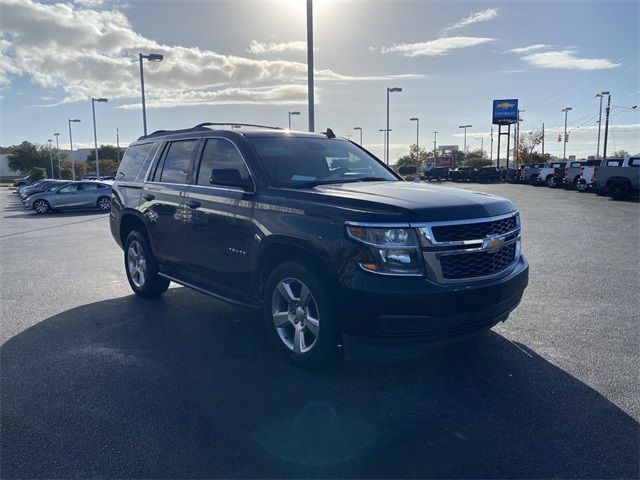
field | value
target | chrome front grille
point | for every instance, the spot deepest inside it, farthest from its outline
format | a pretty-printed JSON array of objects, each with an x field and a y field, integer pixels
[
  {"x": 473, "y": 231},
  {"x": 470, "y": 250}
]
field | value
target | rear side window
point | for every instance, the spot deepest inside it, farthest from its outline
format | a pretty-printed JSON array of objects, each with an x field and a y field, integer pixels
[
  {"x": 220, "y": 154},
  {"x": 132, "y": 161},
  {"x": 175, "y": 166},
  {"x": 69, "y": 188},
  {"x": 142, "y": 173},
  {"x": 634, "y": 162},
  {"x": 88, "y": 186}
]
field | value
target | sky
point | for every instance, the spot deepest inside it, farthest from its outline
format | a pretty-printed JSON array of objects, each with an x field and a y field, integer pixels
[{"x": 245, "y": 61}]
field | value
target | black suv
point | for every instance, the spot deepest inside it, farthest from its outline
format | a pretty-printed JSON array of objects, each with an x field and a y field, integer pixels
[{"x": 328, "y": 241}]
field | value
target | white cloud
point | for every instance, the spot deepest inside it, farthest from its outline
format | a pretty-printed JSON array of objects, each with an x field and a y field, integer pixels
[
  {"x": 440, "y": 46},
  {"x": 258, "y": 48},
  {"x": 567, "y": 59},
  {"x": 94, "y": 53},
  {"x": 483, "y": 16},
  {"x": 529, "y": 49},
  {"x": 88, "y": 3}
]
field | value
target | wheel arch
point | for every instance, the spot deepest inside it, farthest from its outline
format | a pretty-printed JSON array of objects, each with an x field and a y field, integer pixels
[
  {"x": 129, "y": 221},
  {"x": 613, "y": 180}
]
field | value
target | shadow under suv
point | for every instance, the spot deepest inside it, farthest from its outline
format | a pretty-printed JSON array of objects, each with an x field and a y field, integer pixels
[{"x": 327, "y": 240}]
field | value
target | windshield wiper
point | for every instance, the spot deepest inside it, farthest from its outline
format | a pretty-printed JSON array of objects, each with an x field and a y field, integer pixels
[
  {"x": 314, "y": 183},
  {"x": 372, "y": 179}
]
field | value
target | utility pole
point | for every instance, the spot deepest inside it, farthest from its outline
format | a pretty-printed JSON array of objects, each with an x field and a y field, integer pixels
[
  {"x": 606, "y": 127},
  {"x": 564, "y": 143},
  {"x": 600, "y": 95},
  {"x": 491, "y": 136},
  {"x": 118, "y": 144},
  {"x": 57, "y": 134},
  {"x": 543, "y": 139},
  {"x": 310, "y": 97},
  {"x": 51, "y": 158},
  {"x": 435, "y": 153}
]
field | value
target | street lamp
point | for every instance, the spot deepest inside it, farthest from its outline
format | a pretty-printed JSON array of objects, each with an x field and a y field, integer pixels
[
  {"x": 152, "y": 57},
  {"x": 73, "y": 166},
  {"x": 95, "y": 135},
  {"x": 564, "y": 143},
  {"x": 51, "y": 158},
  {"x": 359, "y": 128},
  {"x": 57, "y": 151},
  {"x": 465, "y": 136},
  {"x": 389, "y": 90},
  {"x": 416, "y": 177},
  {"x": 600, "y": 95},
  {"x": 292, "y": 113},
  {"x": 385, "y": 132},
  {"x": 435, "y": 138}
]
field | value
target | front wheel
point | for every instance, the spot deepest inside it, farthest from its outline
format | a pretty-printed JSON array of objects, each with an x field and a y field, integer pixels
[
  {"x": 104, "y": 204},
  {"x": 142, "y": 267},
  {"x": 41, "y": 207},
  {"x": 551, "y": 182},
  {"x": 619, "y": 191},
  {"x": 300, "y": 315},
  {"x": 582, "y": 186}
]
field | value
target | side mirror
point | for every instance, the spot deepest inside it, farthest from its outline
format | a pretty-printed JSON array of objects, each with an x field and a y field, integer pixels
[{"x": 229, "y": 177}]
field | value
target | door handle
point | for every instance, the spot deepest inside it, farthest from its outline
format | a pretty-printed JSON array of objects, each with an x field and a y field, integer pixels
[
  {"x": 148, "y": 196},
  {"x": 193, "y": 204}
]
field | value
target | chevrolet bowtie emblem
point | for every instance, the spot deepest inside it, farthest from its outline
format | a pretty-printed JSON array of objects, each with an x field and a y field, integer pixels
[{"x": 493, "y": 244}]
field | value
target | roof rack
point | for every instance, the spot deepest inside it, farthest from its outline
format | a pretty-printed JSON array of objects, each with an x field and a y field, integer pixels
[{"x": 203, "y": 126}]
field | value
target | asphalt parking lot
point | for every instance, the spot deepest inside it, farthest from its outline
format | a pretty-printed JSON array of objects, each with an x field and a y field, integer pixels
[{"x": 98, "y": 383}]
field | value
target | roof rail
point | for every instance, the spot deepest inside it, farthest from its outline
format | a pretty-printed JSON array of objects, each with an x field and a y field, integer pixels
[
  {"x": 202, "y": 126},
  {"x": 210, "y": 124}
]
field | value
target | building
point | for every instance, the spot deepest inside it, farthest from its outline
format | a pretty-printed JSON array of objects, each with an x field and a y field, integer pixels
[{"x": 6, "y": 174}]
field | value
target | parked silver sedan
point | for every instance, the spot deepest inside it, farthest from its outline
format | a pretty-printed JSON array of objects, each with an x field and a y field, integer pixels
[{"x": 72, "y": 196}]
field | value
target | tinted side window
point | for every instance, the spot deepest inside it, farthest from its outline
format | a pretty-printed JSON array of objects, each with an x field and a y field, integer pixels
[
  {"x": 177, "y": 162},
  {"x": 147, "y": 161},
  {"x": 220, "y": 154},
  {"x": 132, "y": 161},
  {"x": 634, "y": 162},
  {"x": 88, "y": 186}
]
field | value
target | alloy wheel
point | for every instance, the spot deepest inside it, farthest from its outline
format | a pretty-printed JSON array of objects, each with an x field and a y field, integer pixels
[
  {"x": 295, "y": 315},
  {"x": 136, "y": 264},
  {"x": 104, "y": 204},
  {"x": 41, "y": 206}
]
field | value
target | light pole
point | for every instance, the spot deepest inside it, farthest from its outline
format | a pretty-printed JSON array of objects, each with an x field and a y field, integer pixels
[
  {"x": 435, "y": 138},
  {"x": 95, "y": 135},
  {"x": 51, "y": 158},
  {"x": 73, "y": 166},
  {"x": 152, "y": 57},
  {"x": 465, "y": 136},
  {"x": 564, "y": 143},
  {"x": 389, "y": 90},
  {"x": 384, "y": 139},
  {"x": 58, "y": 151},
  {"x": 416, "y": 177},
  {"x": 359, "y": 128},
  {"x": 600, "y": 95},
  {"x": 606, "y": 127},
  {"x": 292, "y": 113},
  {"x": 310, "y": 98}
]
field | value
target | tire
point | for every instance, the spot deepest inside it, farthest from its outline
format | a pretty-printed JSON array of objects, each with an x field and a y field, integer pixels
[
  {"x": 551, "y": 181},
  {"x": 582, "y": 186},
  {"x": 619, "y": 190},
  {"x": 299, "y": 314},
  {"x": 104, "y": 204},
  {"x": 41, "y": 207},
  {"x": 142, "y": 267},
  {"x": 533, "y": 180}
]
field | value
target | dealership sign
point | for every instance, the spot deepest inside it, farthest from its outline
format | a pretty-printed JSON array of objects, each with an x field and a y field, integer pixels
[
  {"x": 449, "y": 148},
  {"x": 505, "y": 112}
]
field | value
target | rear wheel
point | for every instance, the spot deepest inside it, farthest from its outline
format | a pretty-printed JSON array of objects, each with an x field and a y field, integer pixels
[
  {"x": 104, "y": 204},
  {"x": 551, "y": 181},
  {"x": 300, "y": 315},
  {"x": 142, "y": 267},
  {"x": 41, "y": 207},
  {"x": 619, "y": 190},
  {"x": 582, "y": 185}
]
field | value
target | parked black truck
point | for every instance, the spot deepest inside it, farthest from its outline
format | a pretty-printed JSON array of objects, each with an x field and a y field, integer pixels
[{"x": 314, "y": 230}]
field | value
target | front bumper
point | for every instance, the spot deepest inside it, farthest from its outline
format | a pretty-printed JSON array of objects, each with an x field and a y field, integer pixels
[{"x": 387, "y": 318}]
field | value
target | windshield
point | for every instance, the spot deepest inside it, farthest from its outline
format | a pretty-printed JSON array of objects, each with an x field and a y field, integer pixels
[{"x": 299, "y": 161}]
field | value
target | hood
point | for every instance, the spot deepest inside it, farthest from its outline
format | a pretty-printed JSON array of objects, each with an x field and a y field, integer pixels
[{"x": 413, "y": 202}]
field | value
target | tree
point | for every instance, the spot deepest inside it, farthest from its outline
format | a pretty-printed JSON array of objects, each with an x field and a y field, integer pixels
[
  {"x": 108, "y": 155},
  {"x": 416, "y": 153},
  {"x": 37, "y": 173},
  {"x": 477, "y": 159},
  {"x": 28, "y": 155},
  {"x": 526, "y": 143},
  {"x": 620, "y": 153},
  {"x": 458, "y": 157}
]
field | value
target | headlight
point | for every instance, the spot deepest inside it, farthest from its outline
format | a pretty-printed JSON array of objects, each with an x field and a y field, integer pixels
[{"x": 395, "y": 250}]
